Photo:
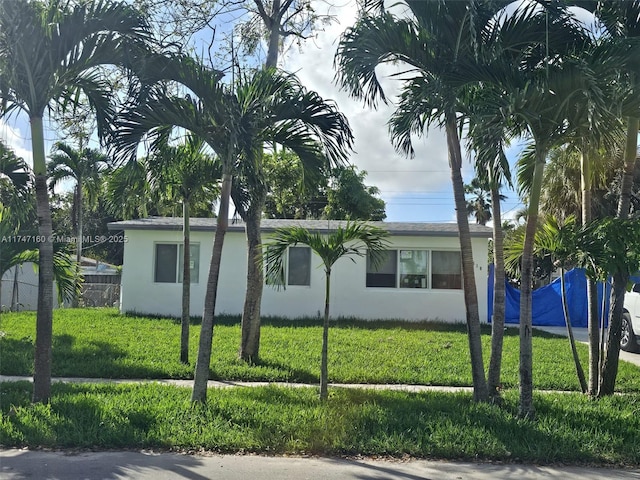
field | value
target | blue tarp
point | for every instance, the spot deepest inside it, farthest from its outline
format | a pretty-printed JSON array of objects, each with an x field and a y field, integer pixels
[{"x": 547, "y": 301}]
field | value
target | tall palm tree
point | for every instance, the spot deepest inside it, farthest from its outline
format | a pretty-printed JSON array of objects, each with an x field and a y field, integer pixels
[
  {"x": 318, "y": 124},
  {"x": 214, "y": 115},
  {"x": 354, "y": 239},
  {"x": 190, "y": 175},
  {"x": 48, "y": 53},
  {"x": 440, "y": 43},
  {"x": 234, "y": 121},
  {"x": 488, "y": 137},
  {"x": 621, "y": 19},
  {"x": 86, "y": 166}
]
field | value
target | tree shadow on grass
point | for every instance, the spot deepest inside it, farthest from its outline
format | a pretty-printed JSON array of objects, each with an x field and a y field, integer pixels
[
  {"x": 452, "y": 426},
  {"x": 96, "y": 359},
  {"x": 291, "y": 374}
]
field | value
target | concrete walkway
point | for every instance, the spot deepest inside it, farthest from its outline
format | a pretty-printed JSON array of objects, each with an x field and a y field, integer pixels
[
  {"x": 231, "y": 383},
  {"x": 145, "y": 465}
]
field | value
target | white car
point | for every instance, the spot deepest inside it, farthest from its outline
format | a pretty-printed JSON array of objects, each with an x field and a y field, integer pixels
[{"x": 631, "y": 320}]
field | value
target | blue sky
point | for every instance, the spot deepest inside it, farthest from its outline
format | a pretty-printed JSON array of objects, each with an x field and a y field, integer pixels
[{"x": 415, "y": 190}]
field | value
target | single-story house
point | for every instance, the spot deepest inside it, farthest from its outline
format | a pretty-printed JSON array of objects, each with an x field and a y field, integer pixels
[{"x": 420, "y": 279}]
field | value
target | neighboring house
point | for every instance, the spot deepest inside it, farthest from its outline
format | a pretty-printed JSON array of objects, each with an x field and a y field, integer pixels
[
  {"x": 420, "y": 279},
  {"x": 19, "y": 289}
]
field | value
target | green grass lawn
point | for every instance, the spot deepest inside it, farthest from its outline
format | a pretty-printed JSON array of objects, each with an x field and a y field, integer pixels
[
  {"x": 569, "y": 428},
  {"x": 103, "y": 343}
]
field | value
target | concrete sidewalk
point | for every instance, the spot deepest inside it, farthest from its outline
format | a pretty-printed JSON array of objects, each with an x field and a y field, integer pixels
[
  {"x": 61, "y": 465},
  {"x": 231, "y": 383}
]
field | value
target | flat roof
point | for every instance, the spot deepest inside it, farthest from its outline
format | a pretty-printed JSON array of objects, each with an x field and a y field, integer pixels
[{"x": 324, "y": 226}]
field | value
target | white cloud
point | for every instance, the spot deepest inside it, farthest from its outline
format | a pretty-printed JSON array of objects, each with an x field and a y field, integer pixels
[
  {"x": 15, "y": 138},
  {"x": 389, "y": 170}
]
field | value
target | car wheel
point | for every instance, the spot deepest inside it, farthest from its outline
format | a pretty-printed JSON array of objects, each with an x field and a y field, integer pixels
[{"x": 628, "y": 341}]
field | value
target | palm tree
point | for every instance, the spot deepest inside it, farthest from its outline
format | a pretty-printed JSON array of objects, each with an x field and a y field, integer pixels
[
  {"x": 559, "y": 240},
  {"x": 301, "y": 121},
  {"x": 440, "y": 43},
  {"x": 86, "y": 166},
  {"x": 353, "y": 240},
  {"x": 488, "y": 137},
  {"x": 479, "y": 206},
  {"x": 48, "y": 53},
  {"x": 234, "y": 121},
  {"x": 190, "y": 175},
  {"x": 543, "y": 91},
  {"x": 214, "y": 115},
  {"x": 15, "y": 200},
  {"x": 621, "y": 19}
]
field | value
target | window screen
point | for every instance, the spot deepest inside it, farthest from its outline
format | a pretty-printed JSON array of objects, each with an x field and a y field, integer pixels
[
  {"x": 299, "y": 267},
  {"x": 446, "y": 270},
  {"x": 166, "y": 263},
  {"x": 384, "y": 273}
]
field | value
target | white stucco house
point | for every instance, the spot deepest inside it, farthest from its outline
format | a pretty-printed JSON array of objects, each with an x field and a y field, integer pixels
[{"x": 420, "y": 279}]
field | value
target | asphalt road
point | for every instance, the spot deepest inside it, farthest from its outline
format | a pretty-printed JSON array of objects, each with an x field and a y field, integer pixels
[{"x": 60, "y": 465}]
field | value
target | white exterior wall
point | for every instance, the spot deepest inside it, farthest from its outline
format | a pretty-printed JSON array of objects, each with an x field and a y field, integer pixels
[{"x": 349, "y": 295}]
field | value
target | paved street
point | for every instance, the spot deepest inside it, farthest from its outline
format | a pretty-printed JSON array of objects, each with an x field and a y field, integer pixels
[{"x": 24, "y": 464}]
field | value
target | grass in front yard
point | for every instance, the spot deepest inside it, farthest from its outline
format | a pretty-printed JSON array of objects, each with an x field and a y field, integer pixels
[
  {"x": 103, "y": 343},
  {"x": 569, "y": 428}
]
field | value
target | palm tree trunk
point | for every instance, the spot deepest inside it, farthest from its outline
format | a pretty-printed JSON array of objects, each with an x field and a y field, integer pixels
[
  {"x": 201, "y": 376},
  {"x": 499, "y": 293},
  {"x": 44, "y": 317},
  {"x": 572, "y": 341},
  {"x": 186, "y": 284},
  {"x": 630, "y": 156},
  {"x": 592, "y": 292},
  {"x": 620, "y": 279},
  {"x": 250, "y": 342},
  {"x": 14, "y": 293},
  {"x": 526, "y": 409},
  {"x": 324, "y": 358},
  {"x": 480, "y": 389},
  {"x": 612, "y": 348},
  {"x": 250, "y": 323},
  {"x": 76, "y": 296}
]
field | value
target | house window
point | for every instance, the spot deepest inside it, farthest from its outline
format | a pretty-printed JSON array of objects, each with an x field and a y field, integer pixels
[
  {"x": 169, "y": 261},
  {"x": 299, "y": 266},
  {"x": 382, "y": 274},
  {"x": 416, "y": 269},
  {"x": 413, "y": 268},
  {"x": 446, "y": 271}
]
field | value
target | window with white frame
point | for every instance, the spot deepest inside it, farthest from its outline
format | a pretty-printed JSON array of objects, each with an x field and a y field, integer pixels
[
  {"x": 169, "y": 258},
  {"x": 422, "y": 269}
]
